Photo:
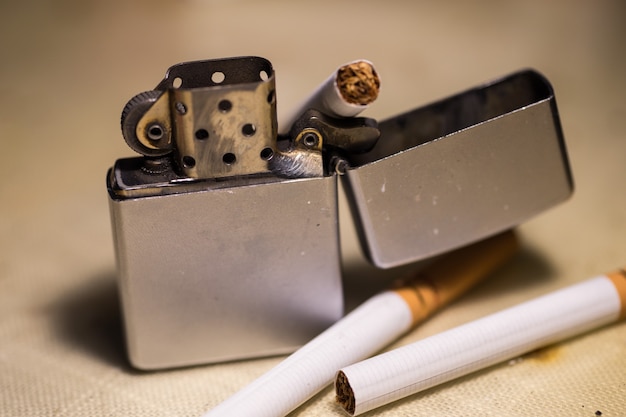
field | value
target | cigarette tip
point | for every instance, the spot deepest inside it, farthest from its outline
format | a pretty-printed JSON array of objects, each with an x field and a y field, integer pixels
[
  {"x": 358, "y": 83},
  {"x": 344, "y": 394}
]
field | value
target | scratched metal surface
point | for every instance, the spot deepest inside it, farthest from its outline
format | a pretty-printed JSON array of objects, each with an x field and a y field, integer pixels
[{"x": 68, "y": 67}]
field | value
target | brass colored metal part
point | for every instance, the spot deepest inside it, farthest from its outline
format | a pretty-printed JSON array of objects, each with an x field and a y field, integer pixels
[
  {"x": 309, "y": 138},
  {"x": 155, "y": 120},
  {"x": 217, "y": 118},
  {"x": 224, "y": 131}
]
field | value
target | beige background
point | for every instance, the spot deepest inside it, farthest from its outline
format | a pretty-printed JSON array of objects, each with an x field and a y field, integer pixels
[{"x": 67, "y": 68}]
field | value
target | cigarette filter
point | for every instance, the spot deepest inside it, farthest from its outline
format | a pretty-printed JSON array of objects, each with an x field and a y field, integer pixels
[
  {"x": 366, "y": 330},
  {"x": 347, "y": 92},
  {"x": 499, "y": 337}
]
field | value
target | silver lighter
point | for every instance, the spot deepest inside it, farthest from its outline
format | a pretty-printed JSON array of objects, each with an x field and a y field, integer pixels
[{"x": 226, "y": 232}]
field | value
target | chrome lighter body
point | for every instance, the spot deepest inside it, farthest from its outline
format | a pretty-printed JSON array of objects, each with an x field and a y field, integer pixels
[
  {"x": 459, "y": 170},
  {"x": 226, "y": 233},
  {"x": 227, "y": 272}
]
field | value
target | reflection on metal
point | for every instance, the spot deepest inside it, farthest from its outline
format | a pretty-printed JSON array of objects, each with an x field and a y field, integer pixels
[{"x": 459, "y": 170}]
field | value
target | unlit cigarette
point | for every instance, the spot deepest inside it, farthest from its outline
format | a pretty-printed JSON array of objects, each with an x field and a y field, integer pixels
[
  {"x": 496, "y": 338},
  {"x": 347, "y": 92},
  {"x": 366, "y": 330}
]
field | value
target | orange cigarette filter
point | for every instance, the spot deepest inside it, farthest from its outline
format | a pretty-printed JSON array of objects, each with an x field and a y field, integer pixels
[
  {"x": 455, "y": 273},
  {"x": 618, "y": 278}
]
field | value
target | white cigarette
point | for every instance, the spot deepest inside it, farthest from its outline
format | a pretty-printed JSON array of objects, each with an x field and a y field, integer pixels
[
  {"x": 346, "y": 93},
  {"x": 496, "y": 338},
  {"x": 365, "y": 331}
]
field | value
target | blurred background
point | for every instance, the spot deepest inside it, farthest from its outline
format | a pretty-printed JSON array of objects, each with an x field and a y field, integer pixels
[{"x": 67, "y": 68}]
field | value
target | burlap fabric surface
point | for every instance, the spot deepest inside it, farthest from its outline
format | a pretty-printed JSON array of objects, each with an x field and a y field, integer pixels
[{"x": 68, "y": 67}]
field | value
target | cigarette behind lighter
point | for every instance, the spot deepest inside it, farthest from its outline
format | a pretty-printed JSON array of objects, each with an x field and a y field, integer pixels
[{"x": 226, "y": 232}]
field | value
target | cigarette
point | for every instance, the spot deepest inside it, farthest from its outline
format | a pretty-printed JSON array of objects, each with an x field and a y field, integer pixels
[
  {"x": 366, "y": 330},
  {"x": 346, "y": 93},
  {"x": 496, "y": 338}
]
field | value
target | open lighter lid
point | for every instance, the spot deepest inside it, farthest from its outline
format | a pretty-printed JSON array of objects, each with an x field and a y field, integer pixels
[{"x": 459, "y": 170}]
